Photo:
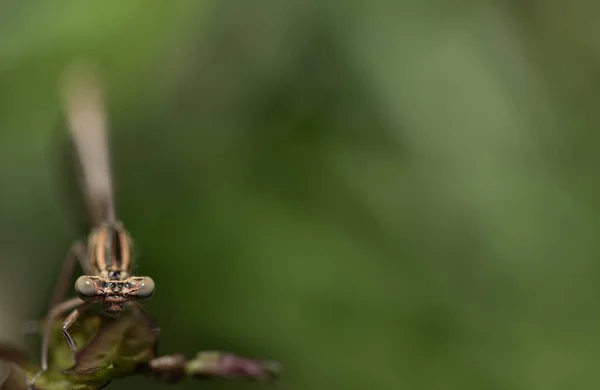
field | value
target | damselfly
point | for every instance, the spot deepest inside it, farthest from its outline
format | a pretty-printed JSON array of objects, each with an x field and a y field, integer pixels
[{"x": 107, "y": 260}]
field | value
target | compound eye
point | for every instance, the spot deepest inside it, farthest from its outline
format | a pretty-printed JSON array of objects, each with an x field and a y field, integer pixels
[
  {"x": 146, "y": 288},
  {"x": 85, "y": 287}
]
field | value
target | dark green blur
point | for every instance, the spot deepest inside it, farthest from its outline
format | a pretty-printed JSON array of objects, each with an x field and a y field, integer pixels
[{"x": 381, "y": 195}]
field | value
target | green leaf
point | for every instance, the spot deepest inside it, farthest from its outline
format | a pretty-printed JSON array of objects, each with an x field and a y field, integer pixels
[{"x": 111, "y": 348}]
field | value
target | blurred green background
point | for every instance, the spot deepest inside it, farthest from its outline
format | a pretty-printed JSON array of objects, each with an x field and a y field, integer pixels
[{"x": 382, "y": 195}]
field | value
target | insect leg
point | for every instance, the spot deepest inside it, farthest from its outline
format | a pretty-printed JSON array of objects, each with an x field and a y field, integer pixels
[
  {"x": 67, "y": 324},
  {"x": 52, "y": 315},
  {"x": 76, "y": 253}
]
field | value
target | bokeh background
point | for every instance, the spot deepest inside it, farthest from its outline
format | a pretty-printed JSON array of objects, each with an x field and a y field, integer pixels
[{"x": 382, "y": 195}]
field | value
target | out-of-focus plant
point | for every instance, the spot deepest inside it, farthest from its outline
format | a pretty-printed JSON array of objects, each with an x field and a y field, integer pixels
[{"x": 117, "y": 348}]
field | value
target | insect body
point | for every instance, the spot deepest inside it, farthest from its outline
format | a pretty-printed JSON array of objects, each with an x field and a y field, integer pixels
[
  {"x": 111, "y": 262},
  {"x": 107, "y": 259}
]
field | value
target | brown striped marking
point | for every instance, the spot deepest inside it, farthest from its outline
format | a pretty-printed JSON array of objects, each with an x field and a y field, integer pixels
[{"x": 110, "y": 251}]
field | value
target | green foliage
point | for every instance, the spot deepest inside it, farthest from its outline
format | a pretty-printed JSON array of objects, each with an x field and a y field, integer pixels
[
  {"x": 110, "y": 349},
  {"x": 382, "y": 195}
]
